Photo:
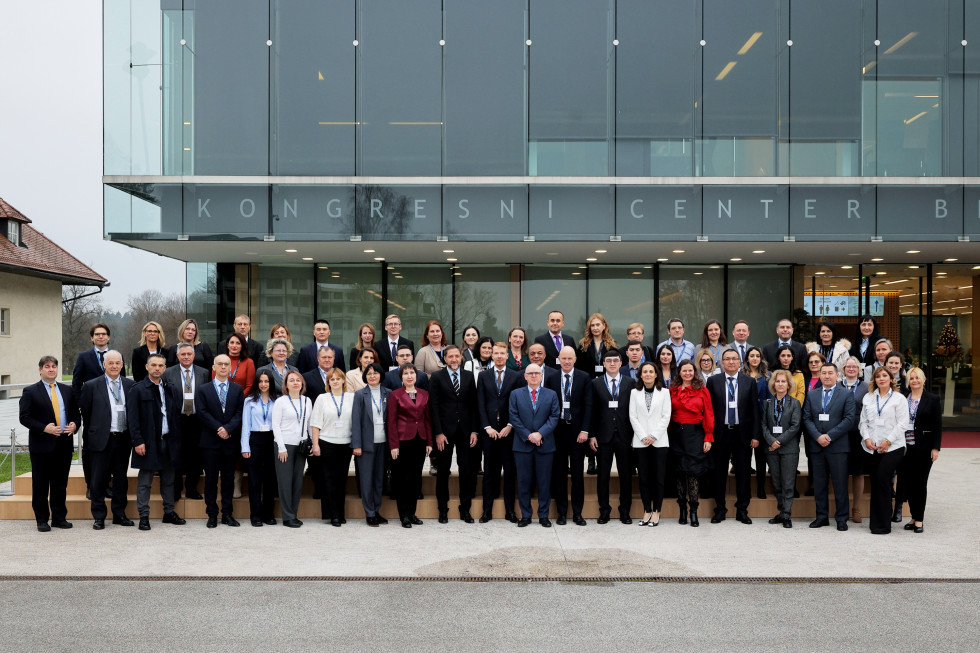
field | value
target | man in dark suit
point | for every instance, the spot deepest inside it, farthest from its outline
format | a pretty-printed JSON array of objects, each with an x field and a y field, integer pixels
[
  {"x": 784, "y": 333},
  {"x": 186, "y": 377},
  {"x": 309, "y": 354},
  {"x": 611, "y": 435},
  {"x": 152, "y": 409},
  {"x": 574, "y": 392},
  {"x": 103, "y": 408},
  {"x": 493, "y": 401},
  {"x": 635, "y": 331},
  {"x": 393, "y": 379},
  {"x": 735, "y": 403},
  {"x": 49, "y": 412},
  {"x": 452, "y": 409},
  {"x": 220, "y": 406},
  {"x": 554, "y": 340},
  {"x": 534, "y": 413},
  {"x": 388, "y": 346},
  {"x": 829, "y": 413},
  {"x": 537, "y": 355},
  {"x": 316, "y": 379},
  {"x": 256, "y": 349}
]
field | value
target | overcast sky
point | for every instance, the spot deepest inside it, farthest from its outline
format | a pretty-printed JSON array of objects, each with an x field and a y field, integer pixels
[{"x": 51, "y": 139}]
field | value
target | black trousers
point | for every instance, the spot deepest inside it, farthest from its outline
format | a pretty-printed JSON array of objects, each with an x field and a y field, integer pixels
[
  {"x": 219, "y": 463},
  {"x": 191, "y": 459},
  {"x": 466, "y": 461},
  {"x": 112, "y": 462},
  {"x": 262, "y": 475},
  {"x": 498, "y": 455},
  {"x": 623, "y": 453},
  {"x": 406, "y": 475},
  {"x": 334, "y": 466},
  {"x": 49, "y": 477},
  {"x": 883, "y": 468},
  {"x": 568, "y": 454},
  {"x": 834, "y": 465},
  {"x": 725, "y": 450},
  {"x": 652, "y": 465},
  {"x": 913, "y": 476},
  {"x": 761, "y": 461}
]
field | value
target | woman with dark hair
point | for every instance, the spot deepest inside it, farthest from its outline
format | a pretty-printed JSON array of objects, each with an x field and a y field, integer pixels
[
  {"x": 410, "y": 441},
  {"x": 242, "y": 368},
  {"x": 666, "y": 365},
  {"x": 368, "y": 438},
  {"x": 517, "y": 349},
  {"x": 713, "y": 338},
  {"x": 365, "y": 340},
  {"x": 593, "y": 346},
  {"x": 884, "y": 421},
  {"x": 863, "y": 348},
  {"x": 259, "y": 448},
  {"x": 650, "y": 417},
  {"x": 692, "y": 423},
  {"x": 756, "y": 367},
  {"x": 895, "y": 364},
  {"x": 470, "y": 337},
  {"x": 152, "y": 341},
  {"x": 433, "y": 347},
  {"x": 355, "y": 377},
  {"x": 923, "y": 441},
  {"x": 811, "y": 377},
  {"x": 785, "y": 361},
  {"x": 483, "y": 359},
  {"x": 833, "y": 349},
  {"x": 188, "y": 332},
  {"x": 290, "y": 426}
]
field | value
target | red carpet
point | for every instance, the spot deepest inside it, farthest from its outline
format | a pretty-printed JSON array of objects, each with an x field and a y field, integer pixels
[{"x": 961, "y": 439}]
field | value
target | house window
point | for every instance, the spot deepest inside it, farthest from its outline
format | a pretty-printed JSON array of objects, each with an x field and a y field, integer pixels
[
  {"x": 13, "y": 232},
  {"x": 4, "y": 321}
]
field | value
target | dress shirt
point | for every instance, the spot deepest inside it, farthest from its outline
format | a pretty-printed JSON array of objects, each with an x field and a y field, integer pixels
[
  {"x": 685, "y": 350},
  {"x": 609, "y": 381},
  {"x": 163, "y": 409},
  {"x": 117, "y": 422},
  {"x": 286, "y": 427},
  {"x": 255, "y": 417},
  {"x": 734, "y": 380},
  {"x": 894, "y": 419},
  {"x": 333, "y": 428},
  {"x": 378, "y": 410},
  {"x": 690, "y": 406}
]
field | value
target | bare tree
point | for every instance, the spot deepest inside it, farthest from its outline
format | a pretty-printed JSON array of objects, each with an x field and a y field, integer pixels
[
  {"x": 80, "y": 309},
  {"x": 151, "y": 304}
]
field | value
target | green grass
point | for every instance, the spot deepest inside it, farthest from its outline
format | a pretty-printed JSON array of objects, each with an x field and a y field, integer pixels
[{"x": 23, "y": 466}]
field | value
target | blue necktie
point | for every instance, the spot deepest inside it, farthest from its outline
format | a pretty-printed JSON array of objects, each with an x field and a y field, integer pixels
[
  {"x": 222, "y": 395},
  {"x": 826, "y": 399},
  {"x": 731, "y": 400}
]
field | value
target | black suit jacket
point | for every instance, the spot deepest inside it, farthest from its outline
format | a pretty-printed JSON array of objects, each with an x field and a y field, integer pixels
[
  {"x": 96, "y": 411},
  {"x": 213, "y": 417},
  {"x": 393, "y": 380},
  {"x": 140, "y": 356},
  {"x": 747, "y": 400},
  {"x": 452, "y": 414},
  {"x": 308, "y": 357},
  {"x": 202, "y": 356},
  {"x": 587, "y": 362},
  {"x": 929, "y": 422},
  {"x": 314, "y": 384},
  {"x": 494, "y": 407},
  {"x": 87, "y": 367},
  {"x": 799, "y": 354},
  {"x": 145, "y": 416},
  {"x": 607, "y": 422},
  {"x": 580, "y": 401},
  {"x": 256, "y": 351},
  {"x": 384, "y": 352},
  {"x": 550, "y": 353},
  {"x": 36, "y": 412}
]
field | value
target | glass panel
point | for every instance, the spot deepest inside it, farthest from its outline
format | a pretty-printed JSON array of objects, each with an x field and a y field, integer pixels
[
  {"x": 399, "y": 68},
  {"x": 138, "y": 209},
  {"x": 658, "y": 212},
  {"x": 654, "y": 102},
  {"x": 484, "y": 85},
  {"x": 398, "y": 212},
  {"x": 348, "y": 296},
  {"x": 624, "y": 295},
  {"x": 571, "y": 212},
  {"x": 177, "y": 88},
  {"x": 485, "y": 298},
  {"x": 286, "y": 293},
  {"x": 760, "y": 294},
  {"x": 967, "y": 57},
  {"x": 313, "y": 108},
  {"x": 116, "y": 84},
  {"x": 547, "y": 288},
  {"x": 485, "y": 212},
  {"x": 920, "y": 212},
  {"x": 312, "y": 212},
  {"x": 954, "y": 332},
  {"x": 225, "y": 212},
  {"x": 417, "y": 294},
  {"x": 571, "y": 75},
  {"x": 692, "y": 294},
  {"x": 202, "y": 300},
  {"x": 832, "y": 213}
]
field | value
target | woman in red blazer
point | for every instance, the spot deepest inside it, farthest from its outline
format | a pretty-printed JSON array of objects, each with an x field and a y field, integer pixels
[{"x": 410, "y": 441}]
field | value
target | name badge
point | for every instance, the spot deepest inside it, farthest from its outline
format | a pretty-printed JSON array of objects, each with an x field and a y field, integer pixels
[
  {"x": 824, "y": 417},
  {"x": 777, "y": 430},
  {"x": 566, "y": 405},
  {"x": 189, "y": 396},
  {"x": 614, "y": 404},
  {"x": 379, "y": 420},
  {"x": 732, "y": 404},
  {"x": 879, "y": 422},
  {"x": 557, "y": 362},
  {"x": 119, "y": 409},
  {"x": 393, "y": 367},
  {"x": 598, "y": 368},
  {"x": 338, "y": 424}
]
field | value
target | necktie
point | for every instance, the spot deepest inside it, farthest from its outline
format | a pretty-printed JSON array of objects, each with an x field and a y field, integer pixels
[
  {"x": 115, "y": 391},
  {"x": 567, "y": 394},
  {"x": 394, "y": 351},
  {"x": 222, "y": 395},
  {"x": 558, "y": 344},
  {"x": 101, "y": 358},
  {"x": 741, "y": 349},
  {"x": 731, "y": 401},
  {"x": 534, "y": 399},
  {"x": 117, "y": 397},
  {"x": 55, "y": 406},
  {"x": 826, "y": 399},
  {"x": 500, "y": 379},
  {"x": 614, "y": 388},
  {"x": 456, "y": 382},
  {"x": 188, "y": 403}
]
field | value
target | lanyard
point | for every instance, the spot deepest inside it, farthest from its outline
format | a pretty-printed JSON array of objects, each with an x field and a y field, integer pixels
[
  {"x": 266, "y": 407},
  {"x": 276, "y": 372},
  {"x": 881, "y": 407},
  {"x": 299, "y": 413},
  {"x": 339, "y": 408},
  {"x": 778, "y": 408},
  {"x": 116, "y": 396},
  {"x": 437, "y": 353},
  {"x": 913, "y": 409},
  {"x": 852, "y": 388},
  {"x": 377, "y": 406},
  {"x": 235, "y": 371}
]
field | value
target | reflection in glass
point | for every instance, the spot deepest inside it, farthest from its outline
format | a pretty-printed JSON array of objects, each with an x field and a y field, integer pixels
[
  {"x": 202, "y": 299},
  {"x": 287, "y": 297},
  {"x": 484, "y": 297},
  {"x": 417, "y": 294},
  {"x": 624, "y": 295},
  {"x": 761, "y": 295},
  {"x": 347, "y": 296},
  {"x": 693, "y": 294}
]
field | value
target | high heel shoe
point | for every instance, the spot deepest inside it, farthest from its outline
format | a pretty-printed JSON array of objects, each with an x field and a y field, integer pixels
[
  {"x": 682, "y": 517},
  {"x": 694, "y": 515},
  {"x": 646, "y": 519}
]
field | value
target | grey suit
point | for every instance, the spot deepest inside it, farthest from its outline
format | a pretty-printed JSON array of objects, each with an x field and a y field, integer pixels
[
  {"x": 188, "y": 473},
  {"x": 372, "y": 461},
  {"x": 784, "y": 460},
  {"x": 832, "y": 459}
]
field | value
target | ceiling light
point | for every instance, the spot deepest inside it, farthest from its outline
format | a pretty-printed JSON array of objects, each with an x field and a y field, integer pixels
[
  {"x": 307, "y": 258},
  {"x": 637, "y": 273},
  {"x": 911, "y": 251},
  {"x": 748, "y": 44},
  {"x": 291, "y": 251},
  {"x": 678, "y": 251},
  {"x": 880, "y": 273},
  {"x": 448, "y": 251},
  {"x": 846, "y": 267},
  {"x": 576, "y": 273},
  {"x": 698, "y": 274},
  {"x": 877, "y": 260},
  {"x": 452, "y": 260},
  {"x": 661, "y": 260},
  {"x": 600, "y": 251},
  {"x": 950, "y": 260},
  {"x": 724, "y": 71},
  {"x": 591, "y": 258},
  {"x": 758, "y": 251},
  {"x": 819, "y": 273},
  {"x": 369, "y": 251},
  {"x": 913, "y": 267},
  {"x": 379, "y": 258},
  {"x": 735, "y": 259}
]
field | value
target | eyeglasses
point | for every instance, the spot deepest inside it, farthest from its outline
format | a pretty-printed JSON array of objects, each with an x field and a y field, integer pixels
[
  {"x": 148, "y": 331},
  {"x": 532, "y": 373}
]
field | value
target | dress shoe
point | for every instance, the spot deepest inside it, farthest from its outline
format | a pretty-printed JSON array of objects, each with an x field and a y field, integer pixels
[
  {"x": 466, "y": 517},
  {"x": 88, "y": 494},
  {"x": 228, "y": 520},
  {"x": 98, "y": 525},
  {"x": 336, "y": 522},
  {"x": 61, "y": 524},
  {"x": 256, "y": 522},
  {"x": 421, "y": 496},
  {"x": 123, "y": 521},
  {"x": 443, "y": 516},
  {"x": 787, "y": 523},
  {"x": 381, "y": 520},
  {"x": 372, "y": 521},
  {"x": 269, "y": 522},
  {"x": 694, "y": 519},
  {"x": 856, "y": 515},
  {"x": 591, "y": 469},
  {"x": 778, "y": 519},
  {"x": 897, "y": 515},
  {"x": 544, "y": 521},
  {"x": 511, "y": 517},
  {"x": 485, "y": 517},
  {"x": 817, "y": 523},
  {"x": 288, "y": 523},
  {"x": 525, "y": 521},
  {"x": 173, "y": 518},
  {"x": 144, "y": 523},
  {"x": 343, "y": 520},
  {"x": 561, "y": 521},
  {"x": 603, "y": 519},
  {"x": 761, "y": 494},
  {"x": 43, "y": 527},
  {"x": 743, "y": 517},
  {"x": 195, "y": 495},
  {"x": 578, "y": 520},
  {"x": 626, "y": 519},
  {"x": 910, "y": 526},
  {"x": 842, "y": 525},
  {"x": 918, "y": 529},
  {"x": 718, "y": 518},
  {"x": 212, "y": 522},
  {"x": 809, "y": 492},
  {"x": 298, "y": 521},
  {"x": 415, "y": 520},
  {"x": 406, "y": 522}
]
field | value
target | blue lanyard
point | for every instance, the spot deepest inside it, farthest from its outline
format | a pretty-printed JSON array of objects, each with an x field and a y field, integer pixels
[
  {"x": 913, "y": 410},
  {"x": 117, "y": 397},
  {"x": 235, "y": 371},
  {"x": 437, "y": 353},
  {"x": 266, "y": 407},
  {"x": 299, "y": 413},
  {"x": 276, "y": 372},
  {"x": 376, "y": 405},
  {"x": 339, "y": 408},
  {"x": 887, "y": 399}
]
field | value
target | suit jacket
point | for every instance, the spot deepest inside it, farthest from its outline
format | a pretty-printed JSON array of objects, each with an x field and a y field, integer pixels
[
  {"x": 648, "y": 355},
  {"x": 270, "y": 369},
  {"x": 36, "y": 412},
  {"x": 407, "y": 418},
  {"x": 587, "y": 361},
  {"x": 212, "y": 416},
  {"x": 314, "y": 384},
  {"x": 929, "y": 422},
  {"x": 362, "y": 420},
  {"x": 747, "y": 405},
  {"x": 609, "y": 422},
  {"x": 140, "y": 356},
  {"x": 202, "y": 356},
  {"x": 526, "y": 420},
  {"x": 550, "y": 353},
  {"x": 791, "y": 420},
  {"x": 494, "y": 405},
  {"x": 87, "y": 367},
  {"x": 451, "y": 414},
  {"x": 145, "y": 416},
  {"x": 843, "y": 417},
  {"x": 393, "y": 380},
  {"x": 96, "y": 410},
  {"x": 175, "y": 377},
  {"x": 384, "y": 351},
  {"x": 256, "y": 351},
  {"x": 799, "y": 354},
  {"x": 308, "y": 357},
  {"x": 580, "y": 401}
]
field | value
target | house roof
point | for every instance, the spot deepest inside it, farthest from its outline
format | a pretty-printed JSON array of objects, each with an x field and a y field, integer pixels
[{"x": 41, "y": 256}]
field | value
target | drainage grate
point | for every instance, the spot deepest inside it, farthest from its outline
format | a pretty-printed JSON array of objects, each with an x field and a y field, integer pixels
[{"x": 503, "y": 579}]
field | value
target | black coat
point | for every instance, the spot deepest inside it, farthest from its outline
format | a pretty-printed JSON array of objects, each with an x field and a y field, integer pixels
[
  {"x": 145, "y": 416},
  {"x": 36, "y": 412},
  {"x": 96, "y": 411}
]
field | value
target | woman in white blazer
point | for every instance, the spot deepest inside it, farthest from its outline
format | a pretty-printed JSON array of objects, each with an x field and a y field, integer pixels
[{"x": 650, "y": 417}]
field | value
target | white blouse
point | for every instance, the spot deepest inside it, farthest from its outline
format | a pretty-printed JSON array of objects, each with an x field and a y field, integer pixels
[
  {"x": 333, "y": 427},
  {"x": 650, "y": 423},
  {"x": 884, "y": 418},
  {"x": 290, "y": 420}
]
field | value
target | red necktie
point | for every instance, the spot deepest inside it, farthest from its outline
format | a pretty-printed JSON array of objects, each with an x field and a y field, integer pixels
[{"x": 534, "y": 396}]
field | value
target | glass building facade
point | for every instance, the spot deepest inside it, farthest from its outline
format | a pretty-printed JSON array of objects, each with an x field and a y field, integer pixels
[{"x": 485, "y": 162}]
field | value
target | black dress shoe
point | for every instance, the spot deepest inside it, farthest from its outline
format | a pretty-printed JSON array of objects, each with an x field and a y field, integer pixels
[
  {"x": 897, "y": 515},
  {"x": 485, "y": 517},
  {"x": 511, "y": 517},
  {"x": 743, "y": 517},
  {"x": 787, "y": 523},
  {"x": 372, "y": 522},
  {"x": 778, "y": 519},
  {"x": 561, "y": 520},
  {"x": 842, "y": 525},
  {"x": 269, "y": 522},
  {"x": 466, "y": 517},
  {"x": 336, "y": 522},
  {"x": 603, "y": 519},
  {"x": 818, "y": 523},
  {"x": 288, "y": 523},
  {"x": 626, "y": 519},
  {"x": 123, "y": 521},
  {"x": 194, "y": 495},
  {"x": 415, "y": 520},
  {"x": 298, "y": 521},
  {"x": 212, "y": 522},
  {"x": 591, "y": 469},
  {"x": 544, "y": 521},
  {"x": 256, "y": 522},
  {"x": 910, "y": 526},
  {"x": 918, "y": 529},
  {"x": 443, "y": 516},
  {"x": 145, "y": 523},
  {"x": 228, "y": 520},
  {"x": 174, "y": 518},
  {"x": 523, "y": 522},
  {"x": 761, "y": 494},
  {"x": 61, "y": 524},
  {"x": 694, "y": 519},
  {"x": 406, "y": 522},
  {"x": 98, "y": 525},
  {"x": 43, "y": 527},
  {"x": 381, "y": 520},
  {"x": 718, "y": 518},
  {"x": 578, "y": 520},
  {"x": 88, "y": 494}
]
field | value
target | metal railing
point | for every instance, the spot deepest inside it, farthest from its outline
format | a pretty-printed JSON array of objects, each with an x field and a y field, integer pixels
[{"x": 10, "y": 453}]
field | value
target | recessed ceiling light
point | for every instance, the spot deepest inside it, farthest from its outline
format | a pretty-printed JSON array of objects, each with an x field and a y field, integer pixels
[
  {"x": 950, "y": 260},
  {"x": 735, "y": 259},
  {"x": 833, "y": 285},
  {"x": 582, "y": 267},
  {"x": 976, "y": 267},
  {"x": 846, "y": 267},
  {"x": 647, "y": 267},
  {"x": 448, "y": 251},
  {"x": 941, "y": 274},
  {"x": 457, "y": 274},
  {"x": 637, "y": 273},
  {"x": 323, "y": 267},
  {"x": 876, "y": 260},
  {"x": 678, "y": 251},
  {"x": 819, "y": 273},
  {"x": 600, "y": 251},
  {"x": 591, "y": 258},
  {"x": 551, "y": 253},
  {"x": 698, "y": 274},
  {"x": 369, "y": 251},
  {"x": 307, "y": 258},
  {"x": 379, "y": 258},
  {"x": 661, "y": 260},
  {"x": 880, "y": 273},
  {"x": 452, "y": 260},
  {"x": 291, "y": 251},
  {"x": 715, "y": 267},
  {"x": 912, "y": 251},
  {"x": 576, "y": 273},
  {"x": 758, "y": 251},
  {"x": 913, "y": 267}
]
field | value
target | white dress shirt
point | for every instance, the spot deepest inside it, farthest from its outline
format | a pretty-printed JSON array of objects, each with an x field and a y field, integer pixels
[
  {"x": 286, "y": 426},
  {"x": 334, "y": 428},
  {"x": 890, "y": 423}
]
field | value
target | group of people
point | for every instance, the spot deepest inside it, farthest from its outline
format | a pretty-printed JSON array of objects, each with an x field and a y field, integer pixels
[{"x": 531, "y": 412}]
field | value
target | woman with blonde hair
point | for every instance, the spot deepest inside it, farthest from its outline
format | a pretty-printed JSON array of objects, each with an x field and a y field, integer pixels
[
  {"x": 290, "y": 426},
  {"x": 278, "y": 351},
  {"x": 923, "y": 440},
  {"x": 781, "y": 428},
  {"x": 188, "y": 332},
  {"x": 707, "y": 365},
  {"x": 152, "y": 341},
  {"x": 593, "y": 346},
  {"x": 331, "y": 429}
]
